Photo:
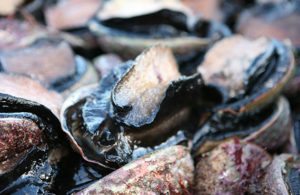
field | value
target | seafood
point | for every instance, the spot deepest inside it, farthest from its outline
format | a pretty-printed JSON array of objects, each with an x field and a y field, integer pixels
[
  {"x": 250, "y": 92},
  {"x": 52, "y": 62},
  {"x": 279, "y": 20},
  {"x": 133, "y": 107},
  {"x": 149, "y": 97},
  {"x": 167, "y": 171},
  {"x": 29, "y": 128},
  {"x": 74, "y": 21},
  {"x": 234, "y": 167},
  {"x": 168, "y": 22}
]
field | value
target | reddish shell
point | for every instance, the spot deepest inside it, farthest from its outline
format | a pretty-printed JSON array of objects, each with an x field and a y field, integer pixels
[
  {"x": 17, "y": 135},
  {"x": 168, "y": 171},
  {"x": 234, "y": 167}
]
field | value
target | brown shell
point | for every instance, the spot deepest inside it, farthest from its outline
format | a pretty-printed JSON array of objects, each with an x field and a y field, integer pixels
[{"x": 167, "y": 171}]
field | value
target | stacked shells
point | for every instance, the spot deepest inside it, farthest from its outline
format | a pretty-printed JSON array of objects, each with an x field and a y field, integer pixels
[{"x": 149, "y": 97}]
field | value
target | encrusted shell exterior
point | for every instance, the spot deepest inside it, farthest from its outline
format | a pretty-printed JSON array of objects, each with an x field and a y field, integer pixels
[{"x": 168, "y": 171}]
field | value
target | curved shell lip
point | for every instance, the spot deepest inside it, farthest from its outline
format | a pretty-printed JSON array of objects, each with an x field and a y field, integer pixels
[
  {"x": 72, "y": 99},
  {"x": 281, "y": 112},
  {"x": 11, "y": 103},
  {"x": 5, "y": 98},
  {"x": 167, "y": 94},
  {"x": 60, "y": 83},
  {"x": 267, "y": 94},
  {"x": 101, "y": 30},
  {"x": 124, "y": 108},
  {"x": 22, "y": 94},
  {"x": 63, "y": 84},
  {"x": 134, "y": 45},
  {"x": 10, "y": 95}
]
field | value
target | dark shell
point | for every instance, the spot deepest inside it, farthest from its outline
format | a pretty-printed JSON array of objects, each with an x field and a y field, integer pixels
[
  {"x": 74, "y": 174},
  {"x": 35, "y": 158},
  {"x": 276, "y": 133},
  {"x": 165, "y": 97},
  {"x": 52, "y": 62},
  {"x": 34, "y": 175},
  {"x": 251, "y": 81},
  {"x": 153, "y": 22},
  {"x": 83, "y": 112},
  {"x": 150, "y": 80},
  {"x": 21, "y": 94},
  {"x": 96, "y": 119},
  {"x": 29, "y": 129},
  {"x": 167, "y": 171},
  {"x": 234, "y": 167},
  {"x": 30, "y": 95},
  {"x": 259, "y": 73},
  {"x": 269, "y": 128}
]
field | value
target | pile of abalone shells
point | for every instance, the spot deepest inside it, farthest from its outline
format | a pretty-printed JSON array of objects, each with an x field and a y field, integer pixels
[{"x": 150, "y": 97}]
